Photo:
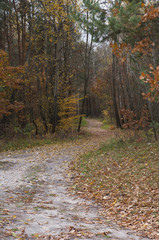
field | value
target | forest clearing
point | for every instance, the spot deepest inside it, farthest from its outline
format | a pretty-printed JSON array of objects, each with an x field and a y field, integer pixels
[{"x": 79, "y": 119}]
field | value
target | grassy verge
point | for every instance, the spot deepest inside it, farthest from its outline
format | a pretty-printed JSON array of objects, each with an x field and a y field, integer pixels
[
  {"x": 125, "y": 179},
  {"x": 84, "y": 122},
  {"x": 107, "y": 125},
  {"x": 21, "y": 143},
  {"x": 30, "y": 142}
]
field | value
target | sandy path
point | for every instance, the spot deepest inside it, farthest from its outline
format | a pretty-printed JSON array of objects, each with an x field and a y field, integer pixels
[{"x": 36, "y": 203}]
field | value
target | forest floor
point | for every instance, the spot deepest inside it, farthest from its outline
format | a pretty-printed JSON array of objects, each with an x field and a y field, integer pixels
[{"x": 41, "y": 197}]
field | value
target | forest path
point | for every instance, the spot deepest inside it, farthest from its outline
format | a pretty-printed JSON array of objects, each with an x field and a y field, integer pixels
[
  {"x": 94, "y": 126},
  {"x": 36, "y": 202}
]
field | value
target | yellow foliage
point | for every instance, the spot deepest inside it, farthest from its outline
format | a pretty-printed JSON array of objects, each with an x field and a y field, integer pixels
[
  {"x": 105, "y": 114},
  {"x": 68, "y": 113}
]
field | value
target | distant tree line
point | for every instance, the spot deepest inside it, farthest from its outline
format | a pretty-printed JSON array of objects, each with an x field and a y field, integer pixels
[{"x": 131, "y": 70}]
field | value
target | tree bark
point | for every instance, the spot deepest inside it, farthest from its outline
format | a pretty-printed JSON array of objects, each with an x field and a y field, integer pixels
[
  {"x": 88, "y": 50},
  {"x": 54, "y": 120},
  {"x": 116, "y": 110}
]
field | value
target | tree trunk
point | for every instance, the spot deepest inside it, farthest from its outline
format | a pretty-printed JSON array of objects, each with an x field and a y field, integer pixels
[
  {"x": 54, "y": 120},
  {"x": 87, "y": 72},
  {"x": 116, "y": 110},
  {"x": 18, "y": 32}
]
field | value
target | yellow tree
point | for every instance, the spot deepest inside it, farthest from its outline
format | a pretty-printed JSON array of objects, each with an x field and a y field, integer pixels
[{"x": 50, "y": 68}]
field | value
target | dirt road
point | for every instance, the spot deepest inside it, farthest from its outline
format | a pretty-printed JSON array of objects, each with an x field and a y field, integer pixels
[{"x": 36, "y": 203}]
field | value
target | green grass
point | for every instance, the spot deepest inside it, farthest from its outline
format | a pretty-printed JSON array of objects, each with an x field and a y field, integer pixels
[
  {"x": 15, "y": 229},
  {"x": 111, "y": 145},
  {"x": 107, "y": 124},
  {"x": 16, "y": 144},
  {"x": 126, "y": 157},
  {"x": 84, "y": 122},
  {"x": 126, "y": 176},
  {"x": 30, "y": 142}
]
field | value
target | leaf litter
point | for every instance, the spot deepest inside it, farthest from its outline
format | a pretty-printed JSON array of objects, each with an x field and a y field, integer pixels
[{"x": 124, "y": 179}]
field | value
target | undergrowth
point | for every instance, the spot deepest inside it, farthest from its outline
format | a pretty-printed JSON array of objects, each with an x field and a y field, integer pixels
[
  {"x": 107, "y": 124},
  {"x": 28, "y": 141},
  {"x": 84, "y": 122},
  {"x": 16, "y": 144},
  {"x": 23, "y": 143}
]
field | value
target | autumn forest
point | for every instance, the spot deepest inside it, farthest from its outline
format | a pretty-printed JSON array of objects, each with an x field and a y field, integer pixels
[
  {"x": 62, "y": 60},
  {"x": 79, "y": 119}
]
